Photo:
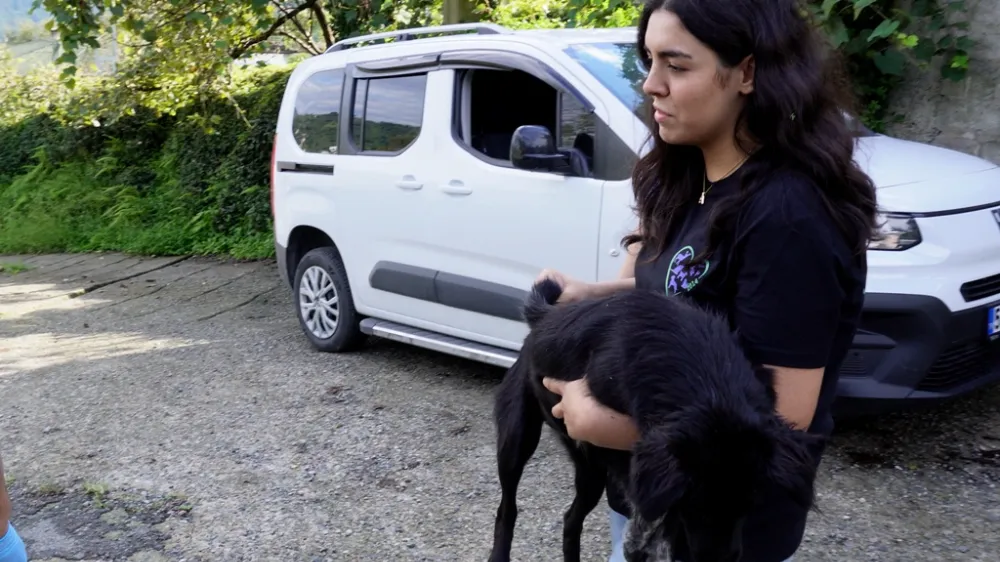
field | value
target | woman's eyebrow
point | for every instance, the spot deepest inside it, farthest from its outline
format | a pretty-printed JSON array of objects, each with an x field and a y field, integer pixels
[{"x": 673, "y": 53}]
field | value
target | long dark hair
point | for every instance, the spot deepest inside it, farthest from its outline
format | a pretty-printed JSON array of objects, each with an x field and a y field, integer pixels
[{"x": 796, "y": 115}]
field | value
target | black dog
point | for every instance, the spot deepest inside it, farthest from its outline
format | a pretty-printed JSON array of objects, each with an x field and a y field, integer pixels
[{"x": 710, "y": 438}]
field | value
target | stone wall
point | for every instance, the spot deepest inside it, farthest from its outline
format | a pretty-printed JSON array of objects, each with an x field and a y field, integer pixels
[{"x": 966, "y": 115}]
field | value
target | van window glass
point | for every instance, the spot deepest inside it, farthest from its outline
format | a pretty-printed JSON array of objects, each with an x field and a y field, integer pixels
[
  {"x": 577, "y": 126},
  {"x": 490, "y": 114},
  {"x": 388, "y": 112},
  {"x": 317, "y": 112},
  {"x": 618, "y": 68}
]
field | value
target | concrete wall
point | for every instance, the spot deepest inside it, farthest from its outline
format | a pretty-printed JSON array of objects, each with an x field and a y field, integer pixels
[{"x": 964, "y": 116}]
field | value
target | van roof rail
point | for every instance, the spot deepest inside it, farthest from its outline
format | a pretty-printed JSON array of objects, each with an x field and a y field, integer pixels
[{"x": 412, "y": 33}]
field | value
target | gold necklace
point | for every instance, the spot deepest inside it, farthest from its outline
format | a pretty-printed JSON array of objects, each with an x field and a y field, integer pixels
[{"x": 704, "y": 179}]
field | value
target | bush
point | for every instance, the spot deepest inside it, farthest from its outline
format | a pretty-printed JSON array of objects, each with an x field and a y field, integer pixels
[
  {"x": 192, "y": 183},
  {"x": 94, "y": 169}
]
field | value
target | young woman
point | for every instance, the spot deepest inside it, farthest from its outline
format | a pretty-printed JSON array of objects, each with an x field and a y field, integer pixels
[
  {"x": 749, "y": 203},
  {"x": 11, "y": 546}
]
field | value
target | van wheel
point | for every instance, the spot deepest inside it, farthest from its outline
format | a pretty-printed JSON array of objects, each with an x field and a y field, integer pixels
[{"x": 324, "y": 304}]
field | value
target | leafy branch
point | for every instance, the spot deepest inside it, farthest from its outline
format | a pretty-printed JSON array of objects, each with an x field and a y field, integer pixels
[{"x": 929, "y": 30}]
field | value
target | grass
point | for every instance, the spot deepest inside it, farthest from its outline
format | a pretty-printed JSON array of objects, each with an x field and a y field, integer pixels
[
  {"x": 193, "y": 183},
  {"x": 13, "y": 268},
  {"x": 97, "y": 492},
  {"x": 71, "y": 208},
  {"x": 51, "y": 489}
]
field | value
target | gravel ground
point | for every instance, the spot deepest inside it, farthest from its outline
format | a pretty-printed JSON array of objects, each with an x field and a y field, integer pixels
[{"x": 171, "y": 410}]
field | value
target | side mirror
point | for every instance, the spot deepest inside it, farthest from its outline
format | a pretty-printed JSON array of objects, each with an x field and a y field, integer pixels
[{"x": 533, "y": 148}]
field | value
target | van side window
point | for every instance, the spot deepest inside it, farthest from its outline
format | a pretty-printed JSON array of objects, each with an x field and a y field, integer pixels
[
  {"x": 387, "y": 113},
  {"x": 489, "y": 113},
  {"x": 577, "y": 126},
  {"x": 316, "y": 121}
]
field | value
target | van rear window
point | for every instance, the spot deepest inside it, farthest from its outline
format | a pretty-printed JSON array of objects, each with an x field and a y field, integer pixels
[{"x": 316, "y": 123}]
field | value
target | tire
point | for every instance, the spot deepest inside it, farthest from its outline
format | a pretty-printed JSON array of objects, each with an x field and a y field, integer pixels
[{"x": 331, "y": 327}]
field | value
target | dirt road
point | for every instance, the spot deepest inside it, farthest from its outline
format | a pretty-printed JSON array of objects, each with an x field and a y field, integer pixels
[{"x": 171, "y": 410}]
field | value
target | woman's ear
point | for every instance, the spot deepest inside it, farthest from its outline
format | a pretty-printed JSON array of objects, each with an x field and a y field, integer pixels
[{"x": 747, "y": 70}]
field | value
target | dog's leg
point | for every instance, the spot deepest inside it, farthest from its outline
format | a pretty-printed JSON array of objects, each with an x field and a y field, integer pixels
[
  {"x": 519, "y": 428},
  {"x": 590, "y": 480}
]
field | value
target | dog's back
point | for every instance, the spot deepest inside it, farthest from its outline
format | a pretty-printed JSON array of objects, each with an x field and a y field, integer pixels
[{"x": 639, "y": 344}]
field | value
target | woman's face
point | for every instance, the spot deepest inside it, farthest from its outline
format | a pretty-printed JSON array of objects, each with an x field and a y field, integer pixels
[{"x": 696, "y": 99}]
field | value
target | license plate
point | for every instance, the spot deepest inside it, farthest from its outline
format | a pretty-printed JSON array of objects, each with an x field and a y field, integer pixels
[{"x": 993, "y": 322}]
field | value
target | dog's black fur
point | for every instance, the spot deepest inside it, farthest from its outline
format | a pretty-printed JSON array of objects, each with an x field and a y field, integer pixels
[{"x": 710, "y": 440}]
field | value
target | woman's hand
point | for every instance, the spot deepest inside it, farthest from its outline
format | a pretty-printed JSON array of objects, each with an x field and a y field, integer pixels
[
  {"x": 588, "y": 420},
  {"x": 572, "y": 289}
]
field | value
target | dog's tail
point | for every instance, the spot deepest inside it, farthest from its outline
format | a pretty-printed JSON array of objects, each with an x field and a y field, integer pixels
[{"x": 540, "y": 301}]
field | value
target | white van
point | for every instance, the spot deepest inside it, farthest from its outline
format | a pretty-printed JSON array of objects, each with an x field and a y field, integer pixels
[{"x": 410, "y": 203}]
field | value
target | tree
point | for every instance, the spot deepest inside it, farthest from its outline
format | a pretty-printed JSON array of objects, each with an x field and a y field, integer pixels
[
  {"x": 460, "y": 11},
  {"x": 176, "y": 52}
]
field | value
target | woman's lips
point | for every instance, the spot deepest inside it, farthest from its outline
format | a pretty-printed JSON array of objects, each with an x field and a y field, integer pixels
[{"x": 659, "y": 115}]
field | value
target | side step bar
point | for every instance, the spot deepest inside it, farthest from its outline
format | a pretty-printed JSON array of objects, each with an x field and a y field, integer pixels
[{"x": 439, "y": 342}]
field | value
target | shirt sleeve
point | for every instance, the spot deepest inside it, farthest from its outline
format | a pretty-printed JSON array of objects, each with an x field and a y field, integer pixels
[{"x": 788, "y": 292}]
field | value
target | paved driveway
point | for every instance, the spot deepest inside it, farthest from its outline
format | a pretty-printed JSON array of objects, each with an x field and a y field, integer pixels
[{"x": 171, "y": 410}]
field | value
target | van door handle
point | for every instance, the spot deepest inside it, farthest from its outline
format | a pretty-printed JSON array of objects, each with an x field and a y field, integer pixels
[
  {"x": 409, "y": 183},
  {"x": 456, "y": 187}
]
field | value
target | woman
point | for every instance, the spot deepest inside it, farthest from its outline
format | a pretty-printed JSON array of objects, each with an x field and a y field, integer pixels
[
  {"x": 749, "y": 203},
  {"x": 11, "y": 546}
]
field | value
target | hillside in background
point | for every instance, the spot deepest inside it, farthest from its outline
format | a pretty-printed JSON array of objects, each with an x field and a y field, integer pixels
[{"x": 14, "y": 13}]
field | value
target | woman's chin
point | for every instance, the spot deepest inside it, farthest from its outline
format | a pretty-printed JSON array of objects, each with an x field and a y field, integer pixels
[{"x": 669, "y": 135}]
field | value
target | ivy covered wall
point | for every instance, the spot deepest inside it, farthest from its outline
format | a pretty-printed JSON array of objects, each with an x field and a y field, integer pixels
[{"x": 961, "y": 115}]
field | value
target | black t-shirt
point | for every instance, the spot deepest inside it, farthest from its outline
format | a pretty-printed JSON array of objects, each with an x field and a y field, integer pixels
[{"x": 791, "y": 285}]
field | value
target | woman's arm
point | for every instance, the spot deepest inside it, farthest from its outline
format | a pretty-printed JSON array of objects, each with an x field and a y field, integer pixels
[
  {"x": 798, "y": 392},
  {"x": 11, "y": 546},
  {"x": 585, "y": 418},
  {"x": 789, "y": 295},
  {"x": 627, "y": 270},
  {"x": 4, "y": 502},
  {"x": 588, "y": 420},
  {"x": 626, "y": 275}
]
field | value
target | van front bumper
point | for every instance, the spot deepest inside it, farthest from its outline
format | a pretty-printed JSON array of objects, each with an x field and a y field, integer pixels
[{"x": 911, "y": 350}]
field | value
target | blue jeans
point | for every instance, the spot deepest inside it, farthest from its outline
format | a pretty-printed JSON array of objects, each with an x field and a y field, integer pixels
[
  {"x": 12, "y": 547},
  {"x": 618, "y": 522}
]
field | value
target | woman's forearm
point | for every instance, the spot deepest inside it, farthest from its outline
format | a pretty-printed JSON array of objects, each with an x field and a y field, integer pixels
[
  {"x": 608, "y": 288},
  {"x": 4, "y": 502},
  {"x": 627, "y": 270},
  {"x": 626, "y": 276},
  {"x": 614, "y": 430}
]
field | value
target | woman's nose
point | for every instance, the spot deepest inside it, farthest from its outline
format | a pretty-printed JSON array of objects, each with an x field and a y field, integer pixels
[{"x": 652, "y": 86}]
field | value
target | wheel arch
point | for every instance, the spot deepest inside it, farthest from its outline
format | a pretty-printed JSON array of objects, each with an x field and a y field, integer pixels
[{"x": 302, "y": 240}]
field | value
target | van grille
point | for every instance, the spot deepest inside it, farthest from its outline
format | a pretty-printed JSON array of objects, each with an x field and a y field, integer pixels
[
  {"x": 960, "y": 364},
  {"x": 981, "y": 288},
  {"x": 853, "y": 366}
]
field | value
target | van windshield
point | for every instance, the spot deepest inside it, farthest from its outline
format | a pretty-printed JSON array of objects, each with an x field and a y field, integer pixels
[{"x": 618, "y": 68}]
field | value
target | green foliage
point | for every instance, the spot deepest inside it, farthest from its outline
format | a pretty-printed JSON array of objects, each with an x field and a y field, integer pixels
[
  {"x": 526, "y": 14},
  {"x": 170, "y": 154},
  {"x": 173, "y": 52},
  {"x": 147, "y": 183},
  {"x": 882, "y": 39},
  {"x": 879, "y": 40},
  {"x": 604, "y": 13}
]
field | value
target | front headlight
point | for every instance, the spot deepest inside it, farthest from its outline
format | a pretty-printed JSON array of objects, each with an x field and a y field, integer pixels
[{"x": 896, "y": 232}]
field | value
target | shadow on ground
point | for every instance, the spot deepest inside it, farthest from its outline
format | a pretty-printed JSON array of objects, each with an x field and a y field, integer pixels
[{"x": 92, "y": 523}]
